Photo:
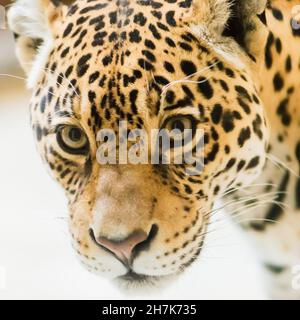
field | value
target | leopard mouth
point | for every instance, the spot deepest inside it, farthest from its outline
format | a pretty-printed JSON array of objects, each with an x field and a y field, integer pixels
[
  {"x": 135, "y": 277},
  {"x": 133, "y": 282}
]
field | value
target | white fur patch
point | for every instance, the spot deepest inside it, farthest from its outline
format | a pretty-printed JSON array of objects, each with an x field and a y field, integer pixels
[
  {"x": 28, "y": 19},
  {"x": 39, "y": 63}
]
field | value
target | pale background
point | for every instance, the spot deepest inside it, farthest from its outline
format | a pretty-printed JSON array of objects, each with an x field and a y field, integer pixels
[{"x": 36, "y": 258}]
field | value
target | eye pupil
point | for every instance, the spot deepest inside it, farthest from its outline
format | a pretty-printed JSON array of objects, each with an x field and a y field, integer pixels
[
  {"x": 178, "y": 125},
  {"x": 75, "y": 134}
]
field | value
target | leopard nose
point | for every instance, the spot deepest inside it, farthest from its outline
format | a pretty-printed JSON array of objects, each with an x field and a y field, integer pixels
[{"x": 125, "y": 248}]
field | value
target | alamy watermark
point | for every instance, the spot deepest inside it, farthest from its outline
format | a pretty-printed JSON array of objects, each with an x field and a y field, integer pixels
[
  {"x": 296, "y": 17},
  {"x": 158, "y": 146}
]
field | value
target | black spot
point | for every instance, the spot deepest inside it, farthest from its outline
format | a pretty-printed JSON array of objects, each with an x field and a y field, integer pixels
[
  {"x": 135, "y": 36},
  {"x": 93, "y": 8},
  {"x": 68, "y": 71},
  {"x": 188, "y": 189},
  {"x": 229, "y": 73},
  {"x": 94, "y": 76},
  {"x": 230, "y": 164},
  {"x": 161, "y": 80},
  {"x": 282, "y": 111},
  {"x": 170, "y": 42},
  {"x": 133, "y": 98},
  {"x": 170, "y": 97},
  {"x": 149, "y": 55},
  {"x": 170, "y": 18},
  {"x": 243, "y": 93},
  {"x": 107, "y": 60},
  {"x": 169, "y": 67},
  {"x": 188, "y": 92},
  {"x": 65, "y": 52},
  {"x": 216, "y": 113},
  {"x": 39, "y": 132},
  {"x": 149, "y": 44},
  {"x": 277, "y": 14},
  {"x": 228, "y": 121},
  {"x": 91, "y": 96},
  {"x": 205, "y": 88},
  {"x": 244, "y": 105},
  {"x": 43, "y": 104},
  {"x": 244, "y": 135},
  {"x": 185, "y": 46},
  {"x": 137, "y": 74},
  {"x": 257, "y": 123},
  {"x": 278, "y": 82},
  {"x": 188, "y": 67},
  {"x": 212, "y": 154},
  {"x": 140, "y": 19},
  {"x": 278, "y": 45},
  {"x": 68, "y": 30},
  {"x": 154, "y": 31},
  {"x": 113, "y": 17},
  {"x": 253, "y": 163},
  {"x": 268, "y": 53},
  {"x": 145, "y": 64},
  {"x": 82, "y": 65},
  {"x": 224, "y": 85},
  {"x": 241, "y": 165},
  {"x": 276, "y": 211},
  {"x": 288, "y": 64},
  {"x": 216, "y": 190}
]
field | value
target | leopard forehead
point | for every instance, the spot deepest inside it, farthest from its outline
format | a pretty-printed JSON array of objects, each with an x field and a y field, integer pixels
[
  {"x": 117, "y": 46},
  {"x": 141, "y": 61}
]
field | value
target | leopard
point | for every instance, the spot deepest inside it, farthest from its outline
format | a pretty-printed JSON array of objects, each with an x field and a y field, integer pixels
[{"x": 229, "y": 68}]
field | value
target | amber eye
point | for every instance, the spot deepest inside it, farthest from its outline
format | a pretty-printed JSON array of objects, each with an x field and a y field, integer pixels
[
  {"x": 180, "y": 123},
  {"x": 72, "y": 140}
]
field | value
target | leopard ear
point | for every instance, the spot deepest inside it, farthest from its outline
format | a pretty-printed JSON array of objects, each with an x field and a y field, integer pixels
[
  {"x": 33, "y": 23},
  {"x": 247, "y": 25},
  {"x": 239, "y": 20}
]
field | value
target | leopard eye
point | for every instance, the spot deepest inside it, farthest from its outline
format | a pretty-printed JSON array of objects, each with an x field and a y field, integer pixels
[
  {"x": 72, "y": 140},
  {"x": 180, "y": 123}
]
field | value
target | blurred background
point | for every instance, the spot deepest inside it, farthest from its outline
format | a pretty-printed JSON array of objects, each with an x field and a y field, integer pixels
[{"x": 36, "y": 258}]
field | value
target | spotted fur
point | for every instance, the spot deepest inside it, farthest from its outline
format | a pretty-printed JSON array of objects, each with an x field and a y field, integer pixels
[{"x": 94, "y": 63}]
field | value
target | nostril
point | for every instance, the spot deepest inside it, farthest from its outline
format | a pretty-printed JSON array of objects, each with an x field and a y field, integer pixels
[
  {"x": 125, "y": 250},
  {"x": 145, "y": 245}
]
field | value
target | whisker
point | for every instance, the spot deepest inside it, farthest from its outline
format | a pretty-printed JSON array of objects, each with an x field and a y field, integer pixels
[
  {"x": 242, "y": 200},
  {"x": 49, "y": 72},
  {"x": 240, "y": 213},
  {"x": 257, "y": 205},
  {"x": 186, "y": 79},
  {"x": 12, "y": 76},
  {"x": 258, "y": 185},
  {"x": 257, "y": 220},
  {"x": 280, "y": 164}
]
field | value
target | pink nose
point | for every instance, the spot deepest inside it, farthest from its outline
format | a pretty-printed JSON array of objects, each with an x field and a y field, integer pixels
[{"x": 123, "y": 249}]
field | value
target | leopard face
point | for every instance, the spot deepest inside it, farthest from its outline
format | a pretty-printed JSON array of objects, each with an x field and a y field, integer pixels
[{"x": 152, "y": 64}]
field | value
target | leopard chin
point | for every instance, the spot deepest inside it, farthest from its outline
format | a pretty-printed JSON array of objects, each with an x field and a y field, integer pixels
[{"x": 137, "y": 284}]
